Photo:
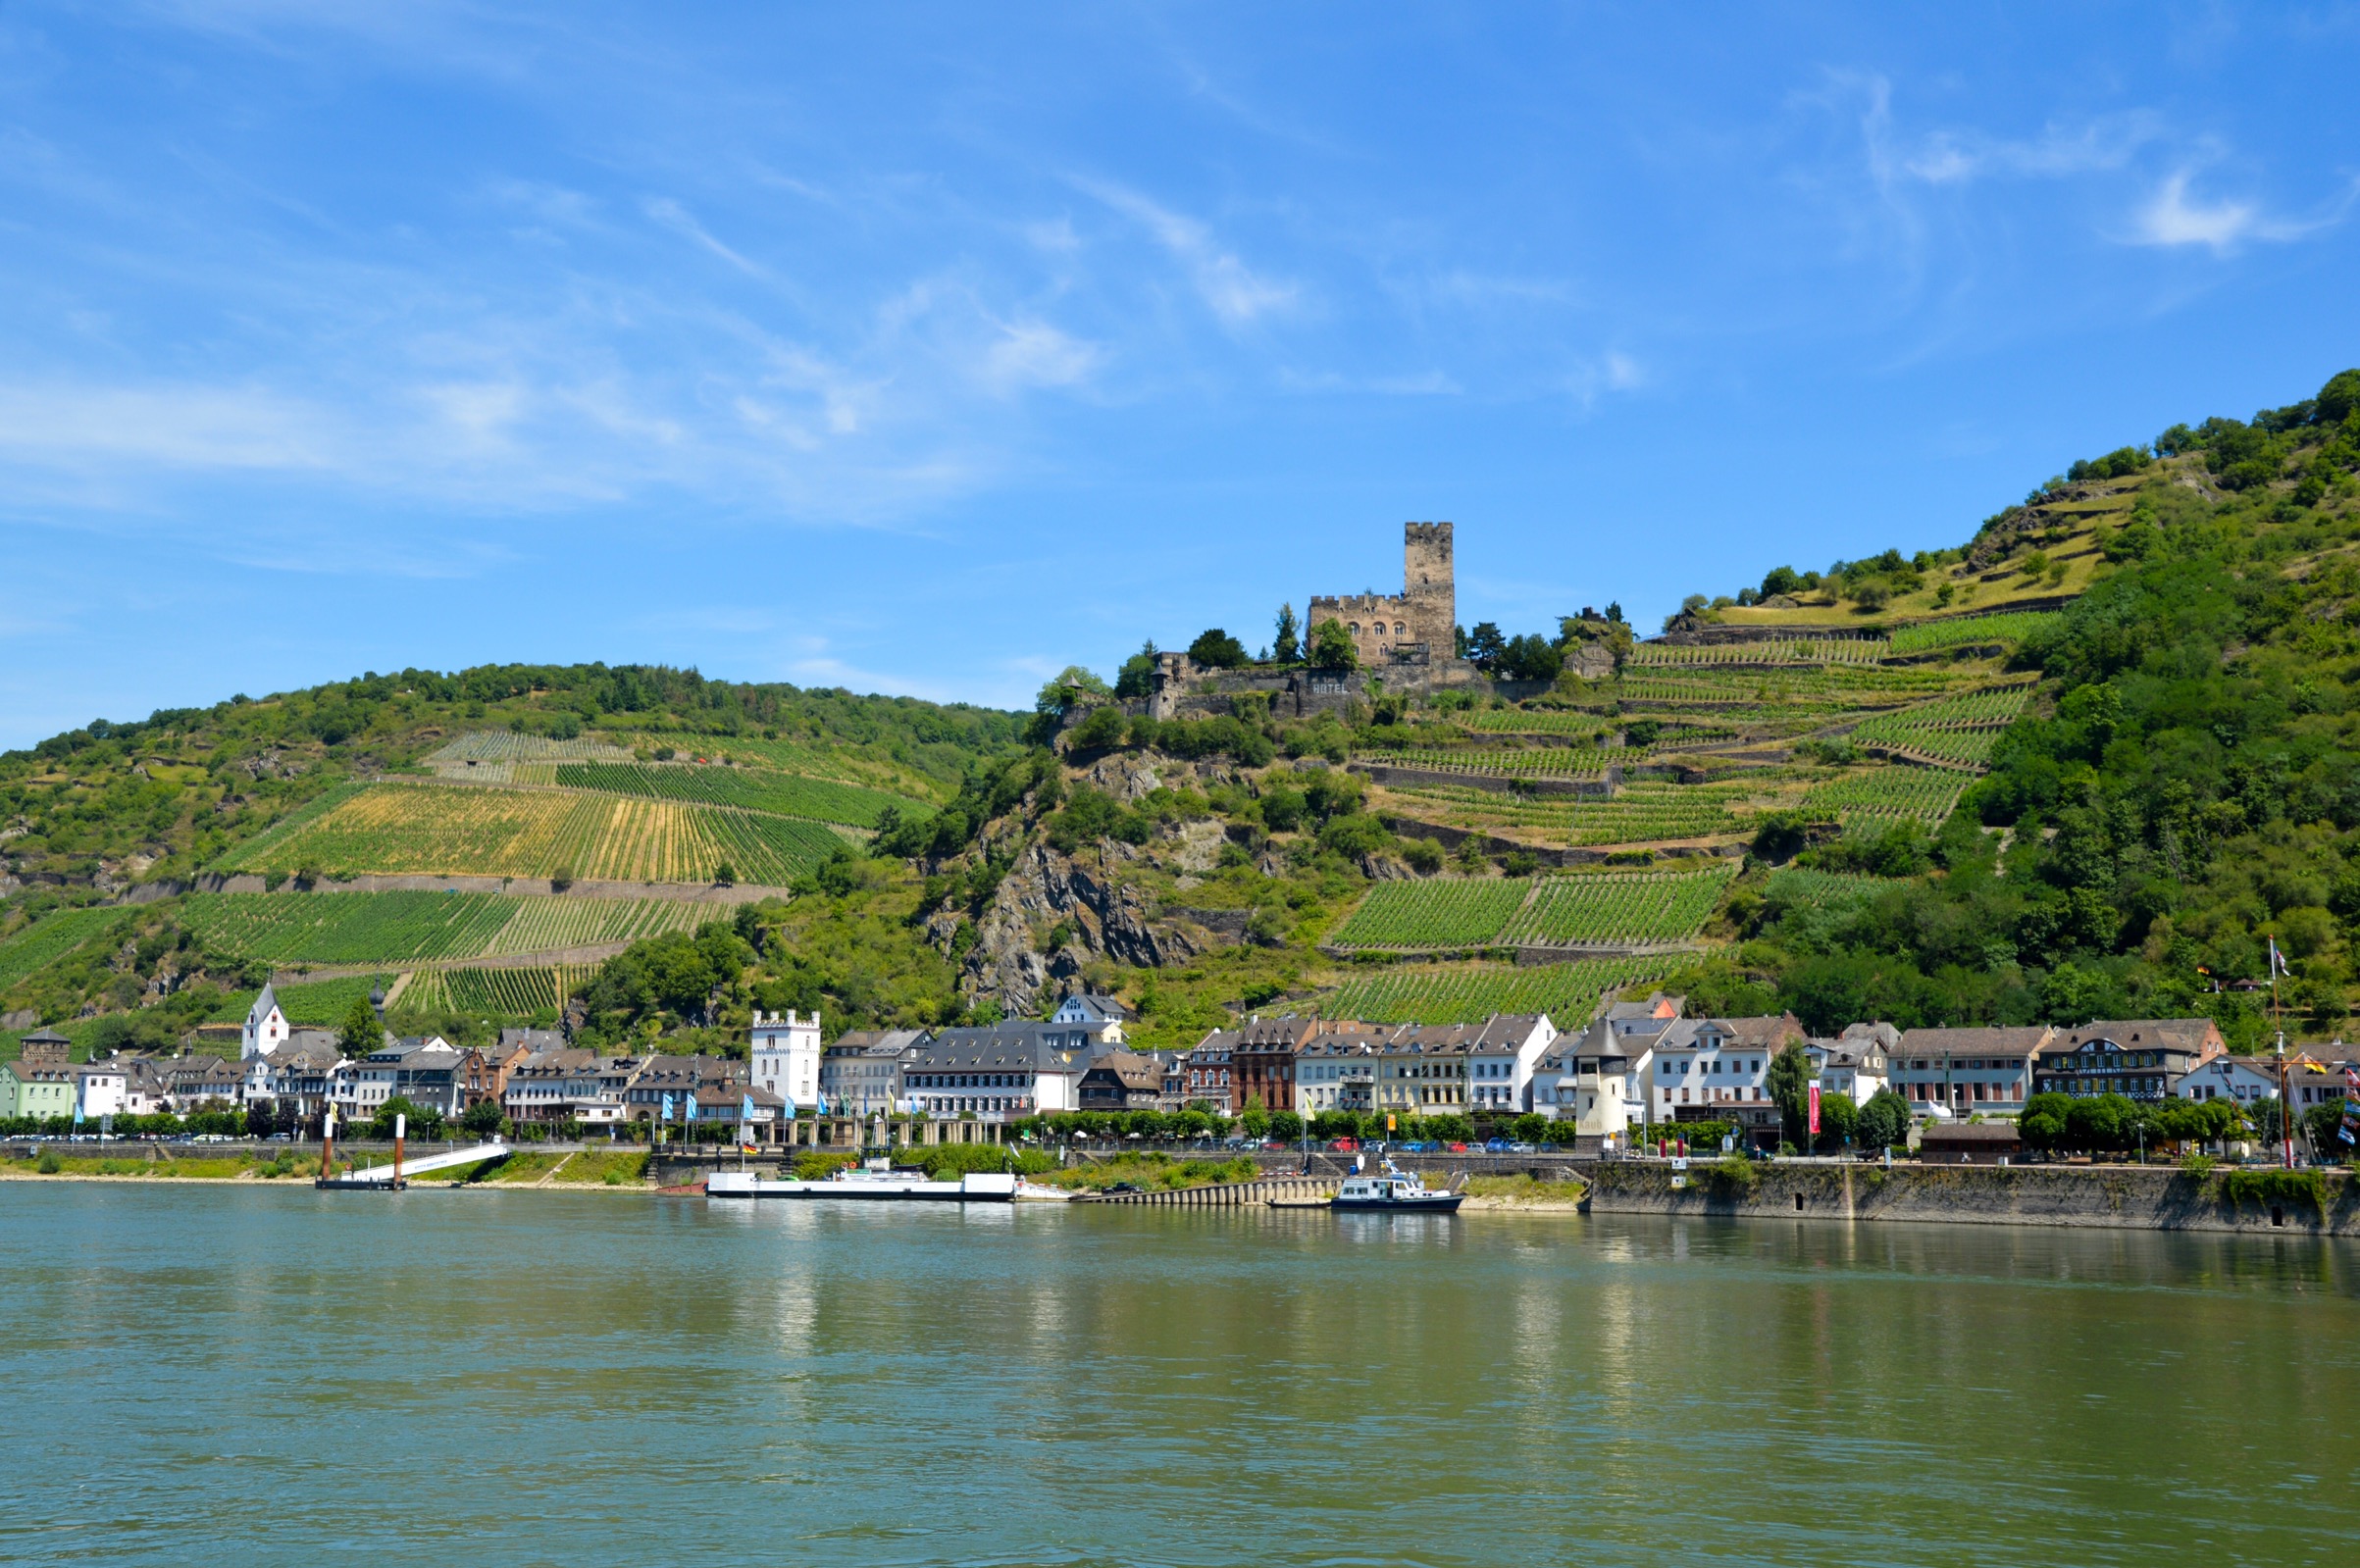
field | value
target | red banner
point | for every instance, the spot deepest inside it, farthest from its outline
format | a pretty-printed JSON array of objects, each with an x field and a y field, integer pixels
[{"x": 1814, "y": 1110}]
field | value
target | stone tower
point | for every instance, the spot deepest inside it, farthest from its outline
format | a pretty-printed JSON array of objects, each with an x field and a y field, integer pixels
[{"x": 1428, "y": 584}]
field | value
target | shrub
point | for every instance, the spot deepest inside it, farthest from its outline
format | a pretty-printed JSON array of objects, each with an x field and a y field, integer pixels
[
  {"x": 49, "y": 1165},
  {"x": 2303, "y": 1189}
]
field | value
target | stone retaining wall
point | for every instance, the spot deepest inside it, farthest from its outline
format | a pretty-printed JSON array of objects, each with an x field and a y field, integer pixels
[{"x": 2119, "y": 1198}]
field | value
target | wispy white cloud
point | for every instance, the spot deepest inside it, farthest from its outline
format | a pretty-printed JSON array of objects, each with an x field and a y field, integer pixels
[
  {"x": 1234, "y": 291},
  {"x": 673, "y": 216},
  {"x": 2093, "y": 146},
  {"x": 1033, "y": 353},
  {"x": 2173, "y": 217}
]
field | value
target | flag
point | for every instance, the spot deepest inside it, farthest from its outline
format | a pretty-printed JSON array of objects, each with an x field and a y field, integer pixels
[
  {"x": 691, "y": 1105},
  {"x": 746, "y": 1109},
  {"x": 667, "y": 1107},
  {"x": 2278, "y": 961},
  {"x": 1814, "y": 1110}
]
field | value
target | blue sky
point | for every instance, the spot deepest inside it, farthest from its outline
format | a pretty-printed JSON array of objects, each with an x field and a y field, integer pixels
[{"x": 929, "y": 348}]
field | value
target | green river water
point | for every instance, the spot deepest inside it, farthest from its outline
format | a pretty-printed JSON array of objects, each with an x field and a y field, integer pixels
[{"x": 259, "y": 1377}]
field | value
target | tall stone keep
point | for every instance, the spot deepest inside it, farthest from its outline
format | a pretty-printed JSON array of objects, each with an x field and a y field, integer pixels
[
  {"x": 1418, "y": 621},
  {"x": 1428, "y": 583}
]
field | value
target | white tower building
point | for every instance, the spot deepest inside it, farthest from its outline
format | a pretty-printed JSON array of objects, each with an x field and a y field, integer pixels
[
  {"x": 265, "y": 1029},
  {"x": 785, "y": 1057}
]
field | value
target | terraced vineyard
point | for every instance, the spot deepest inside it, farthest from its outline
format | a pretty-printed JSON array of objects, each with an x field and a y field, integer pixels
[
  {"x": 785, "y": 793},
  {"x": 48, "y": 939},
  {"x": 446, "y": 829},
  {"x": 1794, "y": 887},
  {"x": 1540, "y": 762},
  {"x": 392, "y": 927},
  {"x": 1645, "y": 811},
  {"x": 503, "y": 746},
  {"x": 1770, "y": 650},
  {"x": 496, "y": 993},
  {"x": 1633, "y": 908},
  {"x": 1894, "y": 793},
  {"x": 1436, "y": 912},
  {"x": 315, "y": 1004},
  {"x": 1966, "y": 630},
  {"x": 1569, "y": 994},
  {"x": 1534, "y": 721},
  {"x": 1957, "y": 730}
]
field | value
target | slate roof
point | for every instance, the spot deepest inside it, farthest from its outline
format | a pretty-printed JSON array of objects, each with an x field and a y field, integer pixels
[{"x": 1018, "y": 1044}]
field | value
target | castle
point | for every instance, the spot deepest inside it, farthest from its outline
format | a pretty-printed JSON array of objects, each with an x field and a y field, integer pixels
[{"x": 1418, "y": 625}]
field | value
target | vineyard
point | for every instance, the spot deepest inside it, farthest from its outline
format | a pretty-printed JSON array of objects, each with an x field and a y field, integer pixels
[
  {"x": 502, "y": 746},
  {"x": 45, "y": 942},
  {"x": 1770, "y": 650},
  {"x": 1891, "y": 794},
  {"x": 496, "y": 993},
  {"x": 1540, "y": 762},
  {"x": 1794, "y": 887},
  {"x": 1971, "y": 630},
  {"x": 1643, "y": 811},
  {"x": 1439, "y": 911},
  {"x": 1957, "y": 730},
  {"x": 314, "y": 1003},
  {"x": 785, "y": 793},
  {"x": 1569, "y": 994},
  {"x": 1620, "y": 908},
  {"x": 393, "y": 927},
  {"x": 491, "y": 832}
]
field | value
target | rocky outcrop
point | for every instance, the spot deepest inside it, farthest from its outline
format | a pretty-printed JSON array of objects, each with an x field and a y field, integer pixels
[{"x": 1081, "y": 892}]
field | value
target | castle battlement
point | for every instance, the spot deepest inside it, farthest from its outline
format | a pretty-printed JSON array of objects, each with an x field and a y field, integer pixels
[{"x": 1425, "y": 613}]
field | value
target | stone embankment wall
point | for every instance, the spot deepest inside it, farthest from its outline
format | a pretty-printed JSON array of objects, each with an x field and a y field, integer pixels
[{"x": 2121, "y": 1198}]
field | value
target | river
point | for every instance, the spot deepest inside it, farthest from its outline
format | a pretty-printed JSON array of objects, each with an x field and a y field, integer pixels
[{"x": 256, "y": 1377}]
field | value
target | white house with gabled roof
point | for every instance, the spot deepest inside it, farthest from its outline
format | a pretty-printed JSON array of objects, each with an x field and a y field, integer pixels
[{"x": 265, "y": 1029}]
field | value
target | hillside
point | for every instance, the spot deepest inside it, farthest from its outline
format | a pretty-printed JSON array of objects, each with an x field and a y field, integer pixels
[{"x": 2085, "y": 764}]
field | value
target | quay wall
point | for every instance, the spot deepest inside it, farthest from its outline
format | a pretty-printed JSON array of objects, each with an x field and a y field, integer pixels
[{"x": 2109, "y": 1198}]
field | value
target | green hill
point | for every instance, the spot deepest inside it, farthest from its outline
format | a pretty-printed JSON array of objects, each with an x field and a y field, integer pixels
[{"x": 2087, "y": 763}]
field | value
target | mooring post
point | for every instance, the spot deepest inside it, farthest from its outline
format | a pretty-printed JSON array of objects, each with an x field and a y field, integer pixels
[
  {"x": 328, "y": 1146},
  {"x": 401, "y": 1128}
]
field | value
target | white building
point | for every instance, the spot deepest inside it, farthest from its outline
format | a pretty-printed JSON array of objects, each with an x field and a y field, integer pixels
[
  {"x": 786, "y": 1057},
  {"x": 1335, "y": 1072},
  {"x": 1104, "y": 1016},
  {"x": 1857, "y": 1063},
  {"x": 99, "y": 1089},
  {"x": 861, "y": 1073},
  {"x": 1501, "y": 1061},
  {"x": 265, "y": 1029},
  {"x": 1969, "y": 1071},
  {"x": 2246, "y": 1079},
  {"x": 1721, "y": 1062}
]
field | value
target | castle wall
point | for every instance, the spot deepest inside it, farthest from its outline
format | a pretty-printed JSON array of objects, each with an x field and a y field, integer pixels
[{"x": 1425, "y": 612}]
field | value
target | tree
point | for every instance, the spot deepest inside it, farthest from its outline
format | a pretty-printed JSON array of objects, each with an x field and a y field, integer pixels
[
  {"x": 2042, "y": 1124},
  {"x": 1286, "y": 1125},
  {"x": 1484, "y": 647},
  {"x": 1789, "y": 1079},
  {"x": 1137, "y": 678},
  {"x": 1254, "y": 1121},
  {"x": 1530, "y": 1128},
  {"x": 483, "y": 1119},
  {"x": 1102, "y": 730},
  {"x": 1062, "y": 693},
  {"x": 1884, "y": 1121},
  {"x": 1287, "y": 646},
  {"x": 362, "y": 1031},
  {"x": 1839, "y": 1119},
  {"x": 1529, "y": 658},
  {"x": 1332, "y": 647},
  {"x": 725, "y": 874},
  {"x": 1216, "y": 649}
]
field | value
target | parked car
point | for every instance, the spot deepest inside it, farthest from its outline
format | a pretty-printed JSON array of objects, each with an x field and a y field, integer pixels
[
  {"x": 1126, "y": 1187},
  {"x": 1457, "y": 1147},
  {"x": 1344, "y": 1146},
  {"x": 1521, "y": 1147},
  {"x": 1495, "y": 1146}
]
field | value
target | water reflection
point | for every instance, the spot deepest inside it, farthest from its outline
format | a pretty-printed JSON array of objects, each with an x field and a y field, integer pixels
[{"x": 578, "y": 1377}]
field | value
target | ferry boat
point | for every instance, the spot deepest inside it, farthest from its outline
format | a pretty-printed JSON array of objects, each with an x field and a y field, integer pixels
[
  {"x": 874, "y": 1181},
  {"x": 1395, "y": 1190}
]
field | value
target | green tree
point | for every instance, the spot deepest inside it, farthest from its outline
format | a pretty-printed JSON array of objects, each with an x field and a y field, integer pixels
[
  {"x": 1137, "y": 678},
  {"x": 1789, "y": 1081},
  {"x": 1287, "y": 646},
  {"x": 362, "y": 1031},
  {"x": 1102, "y": 730},
  {"x": 483, "y": 1119},
  {"x": 725, "y": 874},
  {"x": 1484, "y": 647},
  {"x": 2043, "y": 1122},
  {"x": 1884, "y": 1121},
  {"x": 1332, "y": 647},
  {"x": 1216, "y": 649},
  {"x": 1254, "y": 1121},
  {"x": 1839, "y": 1119}
]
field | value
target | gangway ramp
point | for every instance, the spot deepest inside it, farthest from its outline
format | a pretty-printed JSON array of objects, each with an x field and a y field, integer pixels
[{"x": 423, "y": 1164}]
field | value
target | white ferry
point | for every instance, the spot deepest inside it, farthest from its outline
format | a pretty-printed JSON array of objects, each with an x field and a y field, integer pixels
[
  {"x": 876, "y": 1181},
  {"x": 1395, "y": 1192}
]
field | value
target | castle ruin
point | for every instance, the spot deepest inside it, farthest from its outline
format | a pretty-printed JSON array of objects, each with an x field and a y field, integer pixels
[{"x": 1416, "y": 626}]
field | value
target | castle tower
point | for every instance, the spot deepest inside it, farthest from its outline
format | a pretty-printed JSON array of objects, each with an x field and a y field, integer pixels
[{"x": 1428, "y": 583}]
